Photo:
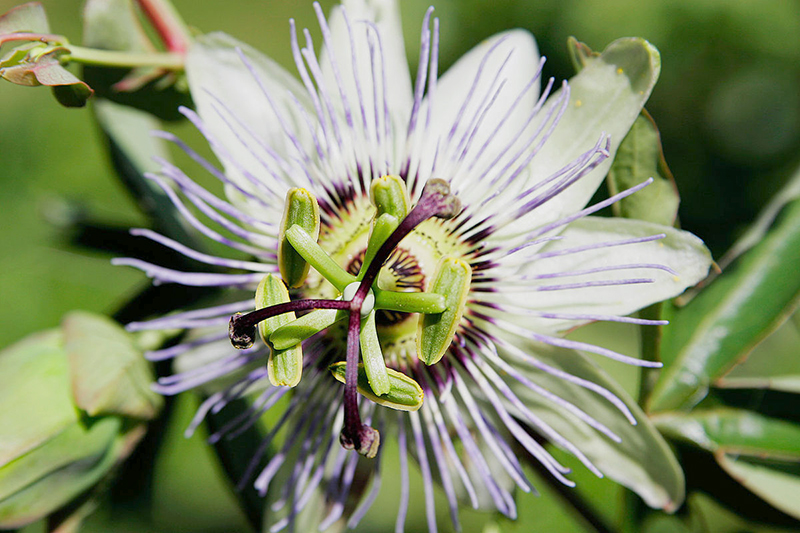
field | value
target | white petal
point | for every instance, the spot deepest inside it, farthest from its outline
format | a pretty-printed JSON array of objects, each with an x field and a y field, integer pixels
[
  {"x": 684, "y": 256},
  {"x": 363, "y": 72},
  {"x": 239, "y": 116},
  {"x": 480, "y": 108},
  {"x": 606, "y": 96}
]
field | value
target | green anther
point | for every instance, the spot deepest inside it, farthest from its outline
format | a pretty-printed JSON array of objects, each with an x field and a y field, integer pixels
[
  {"x": 389, "y": 195},
  {"x": 410, "y": 302},
  {"x": 404, "y": 394},
  {"x": 307, "y": 325},
  {"x": 306, "y": 245},
  {"x": 371, "y": 354},
  {"x": 301, "y": 210},
  {"x": 383, "y": 227},
  {"x": 435, "y": 331},
  {"x": 285, "y": 365}
]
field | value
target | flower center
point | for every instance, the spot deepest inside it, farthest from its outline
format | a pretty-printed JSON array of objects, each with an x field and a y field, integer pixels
[{"x": 376, "y": 267}]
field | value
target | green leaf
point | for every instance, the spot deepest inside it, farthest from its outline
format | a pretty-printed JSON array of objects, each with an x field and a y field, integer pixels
[
  {"x": 642, "y": 461},
  {"x": 639, "y": 158},
  {"x": 773, "y": 364},
  {"x": 109, "y": 375},
  {"x": 780, "y": 487},
  {"x": 132, "y": 150},
  {"x": 733, "y": 431},
  {"x": 29, "y": 17},
  {"x": 725, "y": 321}
]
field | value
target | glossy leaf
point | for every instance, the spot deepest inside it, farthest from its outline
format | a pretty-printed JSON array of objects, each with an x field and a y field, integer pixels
[
  {"x": 779, "y": 487},
  {"x": 773, "y": 364},
  {"x": 734, "y": 431},
  {"x": 723, "y": 324},
  {"x": 639, "y": 158}
]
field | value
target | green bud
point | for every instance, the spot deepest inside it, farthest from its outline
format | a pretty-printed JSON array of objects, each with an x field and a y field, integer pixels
[
  {"x": 390, "y": 196},
  {"x": 77, "y": 401},
  {"x": 371, "y": 354},
  {"x": 284, "y": 366},
  {"x": 435, "y": 331},
  {"x": 302, "y": 210},
  {"x": 404, "y": 394}
]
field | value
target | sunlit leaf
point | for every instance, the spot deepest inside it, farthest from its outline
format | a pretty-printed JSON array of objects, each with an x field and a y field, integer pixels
[
  {"x": 722, "y": 325},
  {"x": 734, "y": 431}
]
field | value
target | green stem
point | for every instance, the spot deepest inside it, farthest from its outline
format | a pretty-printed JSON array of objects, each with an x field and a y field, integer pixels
[{"x": 110, "y": 58}]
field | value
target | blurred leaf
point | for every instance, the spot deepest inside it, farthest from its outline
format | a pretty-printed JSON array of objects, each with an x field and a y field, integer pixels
[
  {"x": 638, "y": 158},
  {"x": 773, "y": 364},
  {"x": 642, "y": 462},
  {"x": 55, "y": 473},
  {"x": 114, "y": 25},
  {"x": 109, "y": 375},
  {"x": 37, "y": 365},
  {"x": 29, "y": 17},
  {"x": 132, "y": 151},
  {"x": 734, "y": 431},
  {"x": 725, "y": 322},
  {"x": 778, "y": 486},
  {"x": 45, "y": 69}
]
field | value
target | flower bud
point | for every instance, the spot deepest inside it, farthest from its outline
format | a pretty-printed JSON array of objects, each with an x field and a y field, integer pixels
[{"x": 74, "y": 400}]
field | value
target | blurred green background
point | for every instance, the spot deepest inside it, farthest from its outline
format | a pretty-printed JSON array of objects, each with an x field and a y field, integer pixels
[{"x": 727, "y": 104}]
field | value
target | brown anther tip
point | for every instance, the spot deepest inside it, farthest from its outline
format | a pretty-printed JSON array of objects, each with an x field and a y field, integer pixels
[
  {"x": 242, "y": 337},
  {"x": 369, "y": 440}
]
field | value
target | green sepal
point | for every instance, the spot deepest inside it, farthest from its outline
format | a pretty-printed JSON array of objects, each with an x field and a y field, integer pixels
[
  {"x": 302, "y": 210},
  {"x": 284, "y": 366},
  {"x": 371, "y": 354},
  {"x": 435, "y": 331},
  {"x": 304, "y": 327},
  {"x": 390, "y": 196},
  {"x": 405, "y": 394}
]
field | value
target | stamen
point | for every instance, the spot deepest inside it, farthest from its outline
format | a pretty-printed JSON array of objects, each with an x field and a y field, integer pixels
[
  {"x": 242, "y": 328},
  {"x": 436, "y": 201}
]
